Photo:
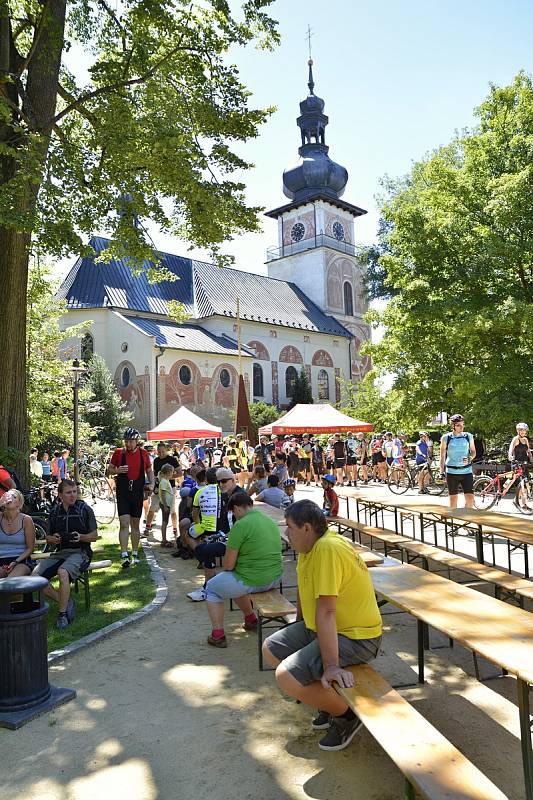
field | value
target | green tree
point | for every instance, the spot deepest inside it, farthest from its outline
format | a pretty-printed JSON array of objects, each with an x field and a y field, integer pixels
[
  {"x": 262, "y": 414},
  {"x": 103, "y": 409},
  {"x": 460, "y": 258},
  {"x": 370, "y": 402},
  {"x": 48, "y": 375},
  {"x": 148, "y": 133},
  {"x": 302, "y": 389}
]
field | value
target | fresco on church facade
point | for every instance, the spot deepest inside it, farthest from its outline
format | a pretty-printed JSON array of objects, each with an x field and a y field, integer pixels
[
  {"x": 332, "y": 218},
  {"x": 339, "y": 270},
  {"x": 261, "y": 353},
  {"x": 322, "y": 359},
  {"x": 307, "y": 220},
  {"x": 135, "y": 392},
  {"x": 291, "y": 355}
]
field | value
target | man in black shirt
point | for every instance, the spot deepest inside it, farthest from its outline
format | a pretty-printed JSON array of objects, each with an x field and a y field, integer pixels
[
  {"x": 339, "y": 458},
  {"x": 72, "y": 529},
  {"x": 262, "y": 453},
  {"x": 163, "y": 457}
]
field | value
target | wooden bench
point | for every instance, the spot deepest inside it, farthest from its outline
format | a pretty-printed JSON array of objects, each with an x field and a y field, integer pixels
[
  {"x": 391, "y": 541},
  {"x": 433, "y": 767},
  {"x": 270, "y": 607}
]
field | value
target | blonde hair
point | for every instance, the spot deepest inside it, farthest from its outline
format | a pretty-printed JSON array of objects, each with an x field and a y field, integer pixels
[
  {"x": 14, "y": 494},
  {"x": 166, "y": 470}
]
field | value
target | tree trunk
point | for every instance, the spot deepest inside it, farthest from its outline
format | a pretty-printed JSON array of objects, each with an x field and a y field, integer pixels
[{"x": 14, "y": 250}]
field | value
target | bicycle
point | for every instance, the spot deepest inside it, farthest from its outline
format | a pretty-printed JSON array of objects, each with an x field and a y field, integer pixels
[
  {"x": 402, "y": 478},
  {"x": 489, "y": 491},
  {"x": 94, "y": 488}
]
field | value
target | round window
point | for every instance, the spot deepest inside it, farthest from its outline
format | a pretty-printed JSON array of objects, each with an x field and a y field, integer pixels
[
  {"x": 185, "y": 375},
  {"x": 338, "y": 231},
  {"x": 125, "y": 377},
  {"x": 297, "y": 232},
  {"x": 225, "y": 378}
]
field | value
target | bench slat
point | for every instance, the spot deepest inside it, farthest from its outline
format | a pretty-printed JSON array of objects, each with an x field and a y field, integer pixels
[
  {"x": 99, "y": 564},
  {"x": 272, "y": 604},
  {"x": 435, "y": 767}
]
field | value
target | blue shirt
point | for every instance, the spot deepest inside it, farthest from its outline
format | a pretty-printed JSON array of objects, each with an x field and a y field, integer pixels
[
  {"x": 199, "y": 452},
  {"x": 47, "y": 468},
  {"x": 423, "y": 447},
  {"x": 458, "y": 450}
]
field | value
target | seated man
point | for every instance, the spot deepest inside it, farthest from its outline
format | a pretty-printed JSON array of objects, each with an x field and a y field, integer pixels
[
  {"x": 252, "y": 563},
  {"x": 203, "y": 537},
  {"x": 72, "y": 529},
  {"x": 273, "y": 495},
  {"x": 338, "y": 624}
]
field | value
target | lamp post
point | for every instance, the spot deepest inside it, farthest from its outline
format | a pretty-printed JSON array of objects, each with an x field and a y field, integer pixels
[{"x": 77, "y": 372}]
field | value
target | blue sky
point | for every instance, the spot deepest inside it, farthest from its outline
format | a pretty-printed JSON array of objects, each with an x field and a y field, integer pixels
[{"x": 398, "y": 79}]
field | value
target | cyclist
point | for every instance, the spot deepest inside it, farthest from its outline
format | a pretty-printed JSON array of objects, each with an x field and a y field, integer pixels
[
  {"x": 520, "y": 451},
  {"x": 423, "y": 454},
  {"x": 456, "y": 453},
  {"x": 133, "y": 470}
]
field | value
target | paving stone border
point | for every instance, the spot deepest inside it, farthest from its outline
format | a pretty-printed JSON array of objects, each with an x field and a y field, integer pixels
[{"x": 160, "y": 598}]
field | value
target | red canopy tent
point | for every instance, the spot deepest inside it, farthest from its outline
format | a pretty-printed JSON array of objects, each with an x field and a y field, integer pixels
[
  {"x": 183, "y": 424},
  {"x": 315, "y": 418}
]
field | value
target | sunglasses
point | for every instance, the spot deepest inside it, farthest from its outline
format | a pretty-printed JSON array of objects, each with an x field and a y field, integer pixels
[{"x": 225, "y": 480}]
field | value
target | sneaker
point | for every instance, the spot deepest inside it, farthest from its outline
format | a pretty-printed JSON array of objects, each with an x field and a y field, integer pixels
[
  {"x": 322, "y": 721},
  {"x": 197, "y": 595},
  {"x": 134, "y": 561},
  {"x": 125, "y": 562},
  {"x": 250, "y": 626},
  {"x": 62, "y": 621},
  {"x": 340, "y": 734},
  {"x": 222, "y": 642},
  {"x": 71, "y": 609}
]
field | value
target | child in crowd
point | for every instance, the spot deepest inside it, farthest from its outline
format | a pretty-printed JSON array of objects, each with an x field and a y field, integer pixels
[
  {"x": 331, "y": 499},
  {"x": 258, "y": 482},
  {"x": 280, "y": 468},
  {"x": 166, "y": 499},
  {"x": 290, "y": 487}
]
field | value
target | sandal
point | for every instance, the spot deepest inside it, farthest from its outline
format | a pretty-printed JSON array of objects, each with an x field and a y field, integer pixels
[{"x": 167, "y": 544}]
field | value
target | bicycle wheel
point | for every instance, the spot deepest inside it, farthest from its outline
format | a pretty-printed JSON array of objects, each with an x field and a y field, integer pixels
[
  {"x": 436, "y": 484},
  {"x": 97, "y": 493},
  {"x": 525, "y": 497},
  {"x": 485, "y": 493},
  {"x": 399, "y": 481},
  {"x": 361, "y": 473}
]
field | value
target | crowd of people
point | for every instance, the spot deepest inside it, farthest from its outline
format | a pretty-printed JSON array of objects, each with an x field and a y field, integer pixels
[{"x": 206, "y": 493}]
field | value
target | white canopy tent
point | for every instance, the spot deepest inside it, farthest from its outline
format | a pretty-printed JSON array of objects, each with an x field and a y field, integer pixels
[{"x": 184, "y": 424}]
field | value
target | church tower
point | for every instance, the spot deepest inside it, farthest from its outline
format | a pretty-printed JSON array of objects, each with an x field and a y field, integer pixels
[{"x": 316, "y": 249}]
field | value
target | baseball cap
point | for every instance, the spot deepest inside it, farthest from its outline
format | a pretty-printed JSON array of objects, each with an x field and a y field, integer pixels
[{"x": 223, "y": 473}]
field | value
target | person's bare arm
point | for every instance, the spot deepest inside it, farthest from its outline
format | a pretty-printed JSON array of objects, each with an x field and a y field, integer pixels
[
  {"x": 326, "y": 629},
  {"x": 151, "y": 479},
  {"x": 85, "y": 537},
  {"x": 29, "y": 539},
  {"x": 230, "y": 559},
  {"x": 299, "y": 614}
]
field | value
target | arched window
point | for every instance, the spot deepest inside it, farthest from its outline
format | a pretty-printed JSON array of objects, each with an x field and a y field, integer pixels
[
  {"x": 258, "y": 381},
  {"x": 348, "y": 299},
  {"x": 290, "y": 381},
  {"x": 323, "y": 385},
  {"x": 87, "y": 347}
]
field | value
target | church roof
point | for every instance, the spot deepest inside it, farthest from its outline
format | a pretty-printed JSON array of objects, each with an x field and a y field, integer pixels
[
  {"x": 186, "y": 337},
  {"x": 204, "y": 289}
]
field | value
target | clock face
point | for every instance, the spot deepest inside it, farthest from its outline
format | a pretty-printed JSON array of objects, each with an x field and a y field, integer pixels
[
  {"x": 338, "y": 231},
  {"x": 297, "y": 232}
]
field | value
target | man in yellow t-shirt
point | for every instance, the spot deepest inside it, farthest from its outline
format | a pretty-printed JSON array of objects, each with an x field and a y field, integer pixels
[{"x": 338, "y": 624}]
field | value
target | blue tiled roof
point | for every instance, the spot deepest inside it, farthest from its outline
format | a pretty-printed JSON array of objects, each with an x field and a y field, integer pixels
[
  {"x": 186, "y": 337},
  {"x": 262, "y": 299}
]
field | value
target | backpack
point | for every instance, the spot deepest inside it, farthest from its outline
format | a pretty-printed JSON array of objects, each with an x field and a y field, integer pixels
[
  {"x": 14, "y": 477},
  {"x": 448, "y": 439}
]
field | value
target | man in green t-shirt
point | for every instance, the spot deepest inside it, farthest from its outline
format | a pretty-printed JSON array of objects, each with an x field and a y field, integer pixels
[{"x": 252, "y": 563}]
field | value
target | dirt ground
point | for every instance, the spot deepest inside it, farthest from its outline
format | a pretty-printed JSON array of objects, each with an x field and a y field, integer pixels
[{"x": 160, "y": 715}]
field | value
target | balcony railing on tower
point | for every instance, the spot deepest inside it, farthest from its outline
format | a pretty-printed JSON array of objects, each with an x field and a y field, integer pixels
[{"x": 319, "y": 240}]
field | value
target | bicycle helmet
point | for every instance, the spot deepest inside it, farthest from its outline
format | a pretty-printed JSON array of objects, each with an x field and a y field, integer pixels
[
  {"x": 522, "y": 426},
  {"x": 457, "y": 418},
  {"x": 289, "y": 482},
  {"x": 330, "y": 479},
  {"x": 423, "y": 433},
  {"x": 131, "y": 433}
]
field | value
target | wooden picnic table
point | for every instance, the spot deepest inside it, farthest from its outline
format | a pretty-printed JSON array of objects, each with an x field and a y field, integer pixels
[{"x": 501, "y": 633}]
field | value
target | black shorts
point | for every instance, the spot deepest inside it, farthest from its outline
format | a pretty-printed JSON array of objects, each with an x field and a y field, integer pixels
[
  {"x": 130, "y": 504},
  {"x": 235, "y": 470},
  {"x": 28, "y": 562},
  {"x": 363, "y": 461},
  {"x": 208, "y": 552},
  {"x": 457, "y": 482},
  {"x": 318, "y": 467},
  {"x": 351, "y": 461},
  {"x": 339, "y": 463},
  {"x": 305, "y": 464}
]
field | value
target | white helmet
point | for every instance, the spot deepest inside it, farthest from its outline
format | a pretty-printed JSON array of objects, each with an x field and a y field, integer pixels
[{"x": 522, "y": 426}]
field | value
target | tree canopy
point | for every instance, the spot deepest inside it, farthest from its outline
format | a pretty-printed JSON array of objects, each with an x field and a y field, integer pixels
[
  {"x": 144, "y": 128},
  {"x": 459, "y": 258}
]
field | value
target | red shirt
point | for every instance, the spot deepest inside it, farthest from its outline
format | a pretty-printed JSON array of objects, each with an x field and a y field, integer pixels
[
  {"x": 134, "y": 459},
  {"x": 332, "y": 502},
  {"x": 6, "y": 479}
]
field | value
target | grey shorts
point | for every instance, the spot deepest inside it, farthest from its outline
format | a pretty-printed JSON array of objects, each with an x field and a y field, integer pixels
[
  {"x": 297, "y": 647},
  {"x": 73, "y": 561}
]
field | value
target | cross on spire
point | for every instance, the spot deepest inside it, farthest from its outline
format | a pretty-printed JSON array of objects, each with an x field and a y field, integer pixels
[
  {"x": 308, "y": 37},
  {"x": 310, "y": 82}
]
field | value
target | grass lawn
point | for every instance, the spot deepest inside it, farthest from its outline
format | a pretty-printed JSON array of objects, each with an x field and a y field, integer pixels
[{"x": 115, "y": 593}]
